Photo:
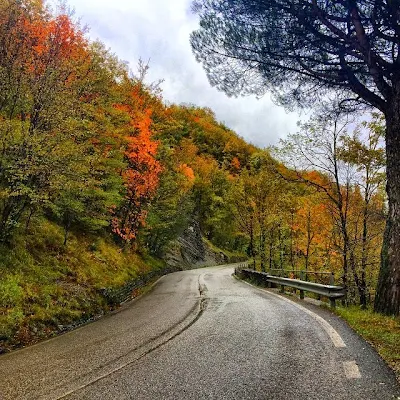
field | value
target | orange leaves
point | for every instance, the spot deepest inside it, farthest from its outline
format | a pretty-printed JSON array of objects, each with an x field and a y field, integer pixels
[
  {"x": 141, "y": 176},
  {"x": 58, "y": 37},
  {"x": 235, "y": 165},
  {"x": 43, "y": 53},
  {"x": 187, "y": 171}
]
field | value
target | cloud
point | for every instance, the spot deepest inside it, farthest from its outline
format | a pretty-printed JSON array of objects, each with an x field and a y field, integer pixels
[{"x": 158, "y": 30}]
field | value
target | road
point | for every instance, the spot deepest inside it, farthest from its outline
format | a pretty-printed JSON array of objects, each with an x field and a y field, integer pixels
[{"x": 202, "y": 334}]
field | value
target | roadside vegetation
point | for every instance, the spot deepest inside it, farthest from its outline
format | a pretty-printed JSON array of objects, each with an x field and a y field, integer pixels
[
  {"x": 331, "y": 58},
  {"x": 381, "y": 331},
  {"x": 98, "y": 176},
  {"x": 47, "y": 288}
]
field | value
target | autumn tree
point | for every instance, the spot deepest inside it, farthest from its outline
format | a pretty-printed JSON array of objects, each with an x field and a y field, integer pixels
[
  {"x": 142, "y": 170},
  {"x": 312, "y": 225},
  {"x": 244, "y": 211},
  {"x": 43, "y": 58},
  {"x": 313, "y": 153},
  {"x": 267, "y": 196},
  {"x": 259, "y": 207},
  {"x": 300, "y": 51},
  {"x": 172, "y": 208},
  {"x": 364, "y": 150},
  {"x": 215, "y": 154}
]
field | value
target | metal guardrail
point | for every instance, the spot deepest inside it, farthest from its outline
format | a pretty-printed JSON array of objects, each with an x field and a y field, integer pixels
[
  {"x": 332, "y": 292},
  {"x": 298, "y": 271},
  {"x": 322, "y": 277}
]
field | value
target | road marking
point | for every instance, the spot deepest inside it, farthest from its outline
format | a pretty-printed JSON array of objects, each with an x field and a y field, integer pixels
[
  {"x": 327, "y": 327},
  {"x": 351, "y": 370}
]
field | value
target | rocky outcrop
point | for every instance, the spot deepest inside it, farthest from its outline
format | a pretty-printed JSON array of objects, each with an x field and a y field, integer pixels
[{"x": 190, "y": 250}]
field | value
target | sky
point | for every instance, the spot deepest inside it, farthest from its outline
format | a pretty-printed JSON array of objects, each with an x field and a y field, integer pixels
[{"x": 158, "y": 31}]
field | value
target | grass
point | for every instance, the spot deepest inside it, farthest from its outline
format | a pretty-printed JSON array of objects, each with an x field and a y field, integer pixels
[
  {"x": 382, "y": 332},
  {"x": 46, "y": 286}
]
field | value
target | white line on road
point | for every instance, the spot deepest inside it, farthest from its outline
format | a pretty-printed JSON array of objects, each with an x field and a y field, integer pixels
[
  {"x": 328, "y": 328},
  {"x": 351, "y": 370}
]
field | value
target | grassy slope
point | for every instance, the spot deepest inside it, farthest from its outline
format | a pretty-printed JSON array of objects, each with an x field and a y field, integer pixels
[
  {"x": 45, "y": 286},
  {"x": 381, "y": 331}
]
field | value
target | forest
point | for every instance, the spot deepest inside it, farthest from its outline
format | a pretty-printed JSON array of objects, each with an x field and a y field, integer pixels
[{"x": 99, "y": 175}]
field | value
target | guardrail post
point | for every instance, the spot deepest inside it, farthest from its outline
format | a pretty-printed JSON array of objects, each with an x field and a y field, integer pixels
[
  {"x": 302, "y": 291},
  {"x": 332, "y": 302},
  {"x": 282, "y": 289}
]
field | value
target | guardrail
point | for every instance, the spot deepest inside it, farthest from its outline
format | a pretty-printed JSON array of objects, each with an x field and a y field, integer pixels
[
  {"x": 323, "y": 277},
  {"x": 330, "y": 291}
]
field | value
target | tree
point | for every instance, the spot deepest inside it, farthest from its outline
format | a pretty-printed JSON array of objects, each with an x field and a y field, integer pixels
[
  {"x": 312, "y": 226},
  {"x": 42, "y": 61},
  {"x": 313, "y": 153},
  {"x": 347, "y": 171},
  {"x": 141, "y": 175},
  {"x": 259, "y": 207},
  {"x": 301, "y": 50},
  {"x": 244, "y": 211},
  {"x": 364, "y": 151},
  {"x": 267, "y": 196},
  {"x": 171, "y": 209}
]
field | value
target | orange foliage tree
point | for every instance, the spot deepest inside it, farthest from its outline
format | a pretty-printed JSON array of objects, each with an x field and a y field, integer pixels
[{"x": 142, "y": 171}]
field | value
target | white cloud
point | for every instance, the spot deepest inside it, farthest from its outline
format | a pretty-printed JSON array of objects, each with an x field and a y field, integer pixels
[{"x": 159, "y": 30}]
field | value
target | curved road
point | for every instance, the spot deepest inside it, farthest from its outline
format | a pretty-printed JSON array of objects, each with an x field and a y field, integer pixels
[{"x": 202, "y": 334}]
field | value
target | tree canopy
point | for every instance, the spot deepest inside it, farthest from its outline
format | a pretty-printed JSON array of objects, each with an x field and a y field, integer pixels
[{"x": 296, "y": 48}]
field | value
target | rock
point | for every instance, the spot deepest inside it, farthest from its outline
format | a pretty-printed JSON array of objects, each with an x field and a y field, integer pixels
[{"x": 190, "y": 250}]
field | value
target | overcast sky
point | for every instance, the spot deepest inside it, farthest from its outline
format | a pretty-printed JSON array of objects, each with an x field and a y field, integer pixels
[{"x": 159, "y": 30}]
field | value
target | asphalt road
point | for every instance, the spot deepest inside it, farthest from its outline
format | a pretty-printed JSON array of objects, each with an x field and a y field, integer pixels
[{"x": 202, "y": 334}]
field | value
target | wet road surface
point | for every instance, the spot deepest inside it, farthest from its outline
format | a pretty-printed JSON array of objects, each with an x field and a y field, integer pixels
[{"x": 202, "y": 334}]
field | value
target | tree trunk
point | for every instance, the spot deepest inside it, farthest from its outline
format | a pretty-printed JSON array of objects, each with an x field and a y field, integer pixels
[
  {"x": 345, "y": 251},
  {"x": 28, "y": 221},
  {"x": 271, "y": 249},
  {"x": 67, "y": 225},
  {"x": 364, "y": 253},
  {"x": 353, "y": 266},
  {"x": 387, "y": 300},
  {"x": 263, "y": 257},
  {"x": 292, "y": 262},
  {"x": 309, "y": 240},
  {"x": 280, "y": 249},
  {"x": 252, "y": 247}
]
